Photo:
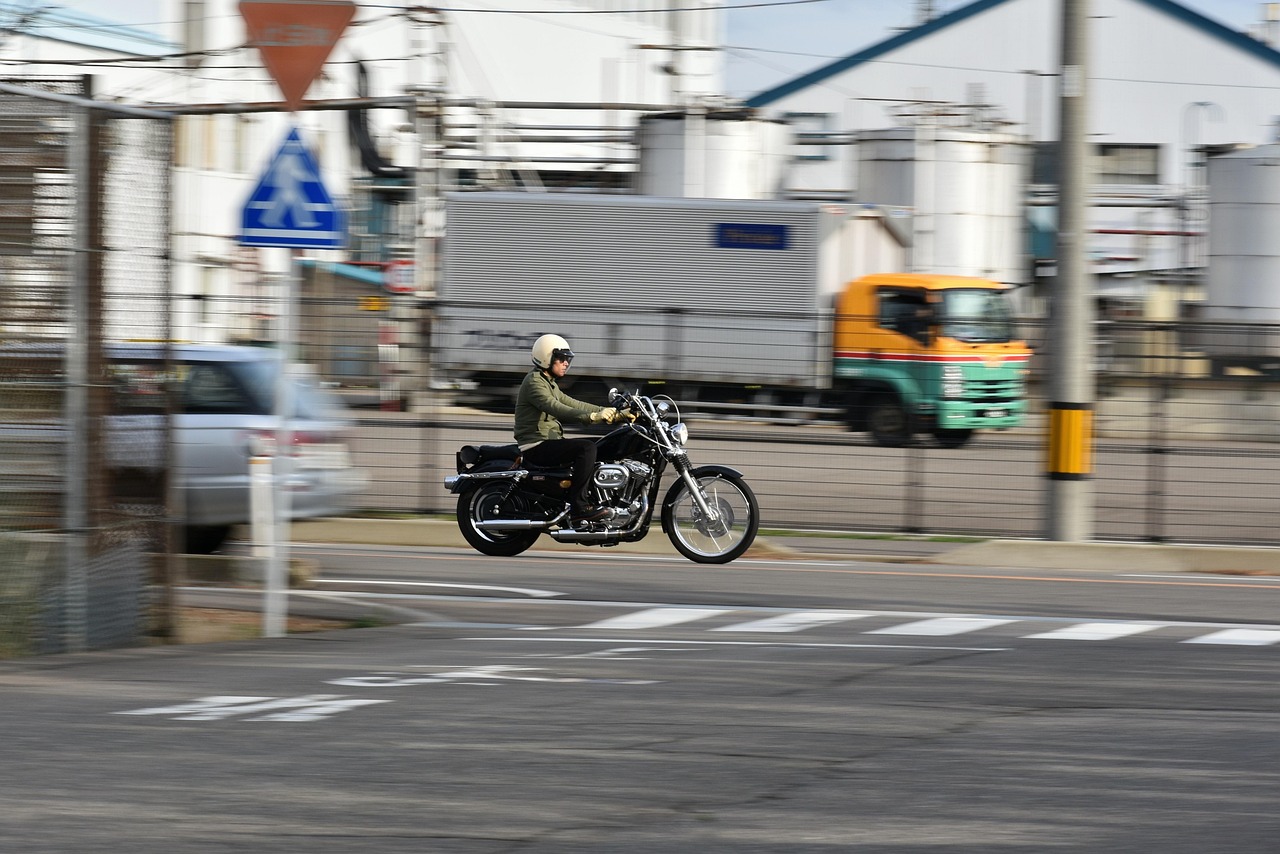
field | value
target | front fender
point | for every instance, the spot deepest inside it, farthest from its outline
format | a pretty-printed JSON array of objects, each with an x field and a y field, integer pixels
[{"x": 698, "y": 471}]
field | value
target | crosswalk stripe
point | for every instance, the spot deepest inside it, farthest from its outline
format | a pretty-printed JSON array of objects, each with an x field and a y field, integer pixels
[
  {"x": 942, "y": 626},
  {"x": 931, "y": 626},
  {"x": 653, "y": 618},
  {"x": 1240, "y": 637},
  {"x": 1096, "y": 631},
  {"x": 794, "y": 622}
]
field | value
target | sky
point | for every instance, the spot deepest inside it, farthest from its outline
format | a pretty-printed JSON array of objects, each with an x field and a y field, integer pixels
[{"x": 766, "y": 44}]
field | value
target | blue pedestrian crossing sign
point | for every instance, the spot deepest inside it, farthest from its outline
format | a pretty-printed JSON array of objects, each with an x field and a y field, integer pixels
[{"x": 290, "y": 206}]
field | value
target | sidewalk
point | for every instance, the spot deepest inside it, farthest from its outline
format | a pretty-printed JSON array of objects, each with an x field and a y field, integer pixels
[{"x": 1029, "y": 554}]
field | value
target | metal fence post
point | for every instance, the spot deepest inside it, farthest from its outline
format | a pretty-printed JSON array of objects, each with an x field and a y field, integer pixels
[{"x": 1156, "y": 453}]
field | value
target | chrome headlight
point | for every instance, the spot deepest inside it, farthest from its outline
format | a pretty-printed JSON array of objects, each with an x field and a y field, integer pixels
[
  {"x": 952, "y": 381},
  {"x": 679, "y": 434}
]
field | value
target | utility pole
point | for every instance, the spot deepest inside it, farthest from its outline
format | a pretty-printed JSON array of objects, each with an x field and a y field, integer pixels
[{"x": 1071, "y": 358}]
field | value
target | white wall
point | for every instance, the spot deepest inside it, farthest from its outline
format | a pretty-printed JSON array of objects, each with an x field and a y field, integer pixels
[
  {"x": 494, "y": 57},
  {"x": 1147, "y": 69}
]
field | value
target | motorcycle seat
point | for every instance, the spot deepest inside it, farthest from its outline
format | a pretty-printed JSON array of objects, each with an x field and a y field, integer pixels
[{"x": 469, "y": 456}]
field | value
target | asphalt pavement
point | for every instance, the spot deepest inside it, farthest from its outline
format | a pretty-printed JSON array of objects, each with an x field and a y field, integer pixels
[{"x": 727, "y": 729}]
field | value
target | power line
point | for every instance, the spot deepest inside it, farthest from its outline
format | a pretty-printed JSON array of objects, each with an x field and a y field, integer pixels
[{"x": 614, "y": 11}]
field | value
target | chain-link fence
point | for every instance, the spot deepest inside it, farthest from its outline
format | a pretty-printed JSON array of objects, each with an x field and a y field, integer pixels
[{"x": 84, "y": 207}]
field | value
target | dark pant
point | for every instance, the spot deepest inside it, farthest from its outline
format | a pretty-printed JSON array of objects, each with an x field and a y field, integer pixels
[{"x": 578, "y": 453}]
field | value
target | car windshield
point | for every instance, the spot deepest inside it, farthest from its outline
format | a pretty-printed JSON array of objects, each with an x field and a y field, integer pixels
[
  {"x": 975, "y": 315},
  {"x": 311, "y": 401}
]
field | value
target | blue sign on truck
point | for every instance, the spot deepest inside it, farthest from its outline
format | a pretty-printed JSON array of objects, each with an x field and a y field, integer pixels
[{"x": 733, "y": 235}]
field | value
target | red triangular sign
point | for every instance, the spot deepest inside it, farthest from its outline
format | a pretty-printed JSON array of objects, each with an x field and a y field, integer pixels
[{"x": 294, "y": 38}]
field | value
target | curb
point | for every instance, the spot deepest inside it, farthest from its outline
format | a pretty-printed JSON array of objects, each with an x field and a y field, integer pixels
[
  {"x": 1114, "y": 557},
  {"x": 996, "y": 553}
]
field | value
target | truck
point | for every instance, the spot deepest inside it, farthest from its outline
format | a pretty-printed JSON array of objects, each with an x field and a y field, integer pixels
[{"x": 742, "y": 305}]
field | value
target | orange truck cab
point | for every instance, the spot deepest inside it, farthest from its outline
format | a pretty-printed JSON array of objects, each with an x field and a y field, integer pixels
[{"x": 919, "y": 353}]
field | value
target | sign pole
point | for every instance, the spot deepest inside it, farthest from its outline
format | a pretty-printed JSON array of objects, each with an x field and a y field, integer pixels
[
  {"x": 276, "y": 583},
  {"x": 289, "y": 208}
]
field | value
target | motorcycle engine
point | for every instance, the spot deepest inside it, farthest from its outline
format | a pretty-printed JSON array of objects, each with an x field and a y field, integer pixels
[
  {"x": 619, "y": 485},
  {"x": 610, "y": 478}
]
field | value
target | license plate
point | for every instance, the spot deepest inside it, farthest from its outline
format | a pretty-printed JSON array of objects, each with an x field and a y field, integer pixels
[
  {"x": 324, "y": 456},
  {"x": 996, "y": 413}
]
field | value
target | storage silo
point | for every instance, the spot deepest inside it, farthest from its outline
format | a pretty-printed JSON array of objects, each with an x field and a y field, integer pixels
[
  {"x": 1244, "y": 253},
  {"x": 712, "y": 154},
  {"x": 1242, "y": 289},
  {"x": 965, "y": 188}
]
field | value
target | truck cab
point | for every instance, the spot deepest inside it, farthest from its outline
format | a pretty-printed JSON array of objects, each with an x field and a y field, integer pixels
[{"x": 920, "y": 353}]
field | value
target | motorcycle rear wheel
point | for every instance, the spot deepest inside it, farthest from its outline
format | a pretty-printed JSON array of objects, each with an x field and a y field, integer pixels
[
  {"x": 490, "y": 502},
  {"x": 705, "y": 541}
]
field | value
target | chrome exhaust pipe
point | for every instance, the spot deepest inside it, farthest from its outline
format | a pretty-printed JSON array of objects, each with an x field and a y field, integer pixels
[
  {"x": 511, "y": 525},
  {"x": 569, "y": 535},
  {"x": 519, "y": 524}
]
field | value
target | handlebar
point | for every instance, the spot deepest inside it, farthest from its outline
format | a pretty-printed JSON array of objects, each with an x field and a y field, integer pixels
[{"x": 637, "y": 402}]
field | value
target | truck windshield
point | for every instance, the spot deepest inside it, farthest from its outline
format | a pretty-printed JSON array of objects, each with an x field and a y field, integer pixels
[{"x": 975, "y": 315}]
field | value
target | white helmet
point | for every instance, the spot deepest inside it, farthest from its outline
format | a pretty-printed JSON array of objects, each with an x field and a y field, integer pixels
[{"x": 548, "y": 348}]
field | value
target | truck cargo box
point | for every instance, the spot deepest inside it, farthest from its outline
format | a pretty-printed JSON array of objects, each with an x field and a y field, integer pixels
[{"x": 647, "y": 288}]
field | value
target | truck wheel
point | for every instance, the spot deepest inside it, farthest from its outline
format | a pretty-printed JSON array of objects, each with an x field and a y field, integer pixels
[
  {"x": 952, "y": 438},
  {"x": 887, "y": 421}
]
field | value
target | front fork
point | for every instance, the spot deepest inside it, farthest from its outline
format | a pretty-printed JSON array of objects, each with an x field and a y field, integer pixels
[{"x": 681, "y": 461}]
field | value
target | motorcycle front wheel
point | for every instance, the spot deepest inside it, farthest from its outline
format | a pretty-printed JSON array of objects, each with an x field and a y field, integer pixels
[
  {"x": 491, "y": 502},
  {"x": 712, "y": 540}
]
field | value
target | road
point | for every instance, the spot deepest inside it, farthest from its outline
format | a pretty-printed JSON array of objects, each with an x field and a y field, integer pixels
[{"x": 601, "y": 702}]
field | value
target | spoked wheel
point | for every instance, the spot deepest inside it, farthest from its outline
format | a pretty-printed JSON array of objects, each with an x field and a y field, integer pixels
[
  {"x": 717, "y": 538},
  {"x": 493, "y": 502}
]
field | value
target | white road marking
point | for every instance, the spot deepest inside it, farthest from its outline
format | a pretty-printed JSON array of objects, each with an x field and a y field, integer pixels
[
  {"x": 620, "y": 653},
  {"x": 942, "y": 626},
  {"x": 312, "y": 707},
  {"x": 653, "y": 618},
  {"x": 526, "y": 591},
  {"x": 795, "y": 621},
  {"x": 1240, "y": 637},
  {"x": 1096, "y": 631},
  {"x": 753, "y": 643},
  {"x": 486, "y": 675}
]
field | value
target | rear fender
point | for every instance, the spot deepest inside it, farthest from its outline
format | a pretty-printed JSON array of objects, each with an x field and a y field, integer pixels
[{"x": 457, "y": 482}]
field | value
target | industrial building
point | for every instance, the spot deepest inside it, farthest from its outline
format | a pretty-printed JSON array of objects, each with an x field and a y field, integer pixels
[{"x": 1168, "y": 87}]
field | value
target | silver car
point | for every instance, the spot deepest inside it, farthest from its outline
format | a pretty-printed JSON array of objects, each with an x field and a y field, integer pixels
[{"x": 225, "y": 414}]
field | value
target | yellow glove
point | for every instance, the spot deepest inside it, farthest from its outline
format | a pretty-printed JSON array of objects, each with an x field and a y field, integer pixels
[{"x": 608, "y": 415}]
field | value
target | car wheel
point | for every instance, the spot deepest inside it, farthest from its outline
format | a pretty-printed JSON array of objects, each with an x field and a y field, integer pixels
[{"x": 205, "y": 539}]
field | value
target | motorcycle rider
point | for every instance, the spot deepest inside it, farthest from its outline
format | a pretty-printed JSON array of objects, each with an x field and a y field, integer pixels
[{"x": 540, "y": 405}]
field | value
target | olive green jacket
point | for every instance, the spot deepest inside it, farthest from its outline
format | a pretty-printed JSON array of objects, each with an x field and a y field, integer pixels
[{"x": 541, "y": 404}]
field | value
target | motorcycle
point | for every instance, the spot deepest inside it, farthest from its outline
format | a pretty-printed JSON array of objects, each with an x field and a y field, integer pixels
[{"x": 709, "y": 513}]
